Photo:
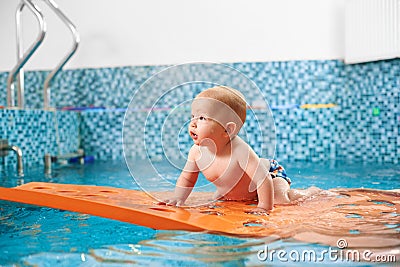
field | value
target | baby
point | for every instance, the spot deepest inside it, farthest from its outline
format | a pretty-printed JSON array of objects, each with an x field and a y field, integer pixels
[{"x": 226, "y": 160}]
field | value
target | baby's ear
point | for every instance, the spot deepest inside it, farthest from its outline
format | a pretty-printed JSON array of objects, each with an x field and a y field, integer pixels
[{"x": 231, "y": 128}]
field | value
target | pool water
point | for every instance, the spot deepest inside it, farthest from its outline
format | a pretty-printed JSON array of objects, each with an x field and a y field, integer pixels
[{"x": 36, "y": 236}]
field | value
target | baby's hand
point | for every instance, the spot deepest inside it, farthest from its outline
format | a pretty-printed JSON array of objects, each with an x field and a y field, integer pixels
[
  {"x": 172, "y": 202},
  {"x": 258, "y": 211}
]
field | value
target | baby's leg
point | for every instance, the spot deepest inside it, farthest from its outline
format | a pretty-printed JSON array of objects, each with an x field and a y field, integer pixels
[
  {"x": 283, "y": 194},
  {"x": 281, "y": 191},
  {"x": 281, "y": 186},
  {"x": 301, "y": 194}
]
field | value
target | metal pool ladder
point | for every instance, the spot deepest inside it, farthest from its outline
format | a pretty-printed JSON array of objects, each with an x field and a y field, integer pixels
[
  {"x": 18, "y": 72},
  {"x": 5, "y": 147},
  {"x": 23, "y": 57},
  {"x": 66, "y": 58}
]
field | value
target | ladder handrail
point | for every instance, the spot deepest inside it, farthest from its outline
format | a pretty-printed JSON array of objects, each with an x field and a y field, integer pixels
[
  {"x": 20, "y": 54},
  {"x": 25, "y": 56},
  {"x": 54, "y": 72}
]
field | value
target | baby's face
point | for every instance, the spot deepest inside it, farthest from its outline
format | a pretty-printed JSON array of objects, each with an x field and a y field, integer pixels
[
  {"x": 207, "y": 120},
  {"x": 210, "y": 119}
]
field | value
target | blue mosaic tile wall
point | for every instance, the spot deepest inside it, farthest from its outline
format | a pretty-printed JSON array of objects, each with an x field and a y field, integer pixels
[
  {"x": 38, "y": 132},
  {"x": 105, "y": 87},
  {"x": 370, "y": 117},
  {"x": 101, "y": 134},
  {"x": 364, "y": 126}
]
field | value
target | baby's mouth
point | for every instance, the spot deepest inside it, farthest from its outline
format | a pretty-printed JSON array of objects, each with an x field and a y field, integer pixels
[{"x": 193, "y": 135}]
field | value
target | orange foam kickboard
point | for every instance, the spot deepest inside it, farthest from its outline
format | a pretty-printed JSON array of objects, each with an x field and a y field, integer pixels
[
  {"x": 323, "y": 218},
  {"x": 124, "y": 205}
]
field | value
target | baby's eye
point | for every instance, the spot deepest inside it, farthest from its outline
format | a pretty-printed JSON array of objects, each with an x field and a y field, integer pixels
[{"x": 202, "y": 118}]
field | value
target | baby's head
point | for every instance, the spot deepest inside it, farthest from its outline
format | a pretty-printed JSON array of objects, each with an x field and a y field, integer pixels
[{"x": 226, "y": 104}]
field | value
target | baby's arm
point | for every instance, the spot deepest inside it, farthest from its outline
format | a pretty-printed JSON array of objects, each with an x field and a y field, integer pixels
[
  {"x": 258, "y": 170},
  {"x": 265, "y": 186},
  {"x": 186, "y": 181}
]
